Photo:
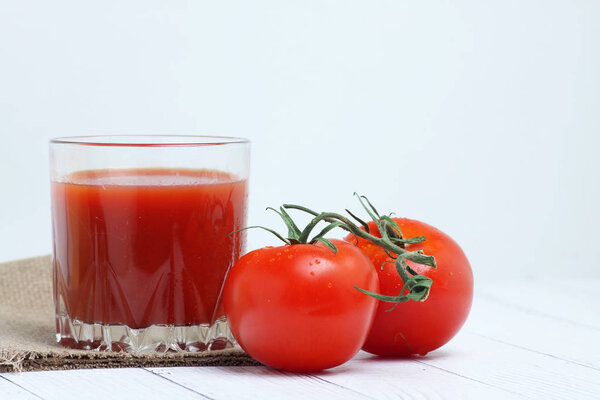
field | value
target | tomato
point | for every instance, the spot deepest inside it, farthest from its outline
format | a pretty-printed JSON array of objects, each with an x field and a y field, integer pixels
[
  {"x": 295, "y": 307},
  {"x": 419, "y": 327}
]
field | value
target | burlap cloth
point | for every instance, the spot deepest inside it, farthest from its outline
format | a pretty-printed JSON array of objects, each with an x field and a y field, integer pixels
[{"x": 27, "y": 330}]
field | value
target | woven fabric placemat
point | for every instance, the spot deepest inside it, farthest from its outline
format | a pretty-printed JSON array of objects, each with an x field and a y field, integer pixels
[{"x": 28, "y": 336}]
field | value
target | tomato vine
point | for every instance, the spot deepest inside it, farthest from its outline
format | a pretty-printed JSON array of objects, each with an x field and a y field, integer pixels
[{"x": 416, "y": 287}]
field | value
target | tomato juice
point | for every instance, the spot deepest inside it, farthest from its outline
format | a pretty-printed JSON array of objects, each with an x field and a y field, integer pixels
[{"x": 141, "y": 247}]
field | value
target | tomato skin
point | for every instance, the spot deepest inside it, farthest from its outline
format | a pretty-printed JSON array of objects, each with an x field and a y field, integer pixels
[
  {"x": 420, "y": 327},
  {"x": 295, "y": 307}
]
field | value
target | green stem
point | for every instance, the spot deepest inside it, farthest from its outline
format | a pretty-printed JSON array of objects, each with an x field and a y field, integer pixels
[
  {"x": 348, "y": 225},
  {"x": 418, "y": 286},
  {"x": 391, "y": 241}
]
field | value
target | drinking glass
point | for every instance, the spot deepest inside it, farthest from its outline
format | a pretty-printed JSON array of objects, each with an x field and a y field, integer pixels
[{"x": 142, "y": 239}]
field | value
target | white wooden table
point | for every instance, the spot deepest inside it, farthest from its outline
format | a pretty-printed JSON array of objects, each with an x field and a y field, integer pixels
[{"x": 537, "y": 339}]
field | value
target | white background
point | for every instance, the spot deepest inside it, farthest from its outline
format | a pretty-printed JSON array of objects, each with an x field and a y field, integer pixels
[{"x": 481, "y": 118}]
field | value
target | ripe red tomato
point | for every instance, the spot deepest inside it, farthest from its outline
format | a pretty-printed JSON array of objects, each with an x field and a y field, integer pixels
[
  {"x": 419, "y": 327},
  {"x": 294, "y": 307}
]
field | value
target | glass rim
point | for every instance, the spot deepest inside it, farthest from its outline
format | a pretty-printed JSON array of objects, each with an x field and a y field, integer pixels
[{"x": 148, "y": 140}]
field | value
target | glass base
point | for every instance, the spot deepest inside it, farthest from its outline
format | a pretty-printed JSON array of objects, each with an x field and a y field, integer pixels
[{"x": 154, "y": 339}]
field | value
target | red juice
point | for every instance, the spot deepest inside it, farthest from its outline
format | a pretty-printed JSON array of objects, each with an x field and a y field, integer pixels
[{"x": 143, "y": 247}]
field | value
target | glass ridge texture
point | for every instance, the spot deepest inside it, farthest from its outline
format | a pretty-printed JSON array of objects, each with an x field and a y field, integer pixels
[{"x": 142, "y": 244}]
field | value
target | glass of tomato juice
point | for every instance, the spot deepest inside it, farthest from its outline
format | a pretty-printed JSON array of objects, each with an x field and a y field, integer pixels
[{"x": 142, "y": 239}]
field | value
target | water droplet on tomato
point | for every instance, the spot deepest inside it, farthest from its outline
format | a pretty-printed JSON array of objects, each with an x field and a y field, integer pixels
[
  {"x": 317, "y": 261},
  {"x": 312, "y": 273},
  {"x": 330, "y": 285}
]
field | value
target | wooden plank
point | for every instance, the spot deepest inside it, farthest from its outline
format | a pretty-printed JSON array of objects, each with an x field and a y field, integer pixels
[
  {"x": 540, "y": 332},
  {"x": 99, "y": 384},
  {"x": 574, "y": 301},
  {"x": 254, "y": 383},
  {"x": 514, "y": 369},
  {"x": 384, "y": 378},
  {"x": 11, "y": 391},
  {"x": 362, "y": 377},
  {"x": 527, "y": 344}
]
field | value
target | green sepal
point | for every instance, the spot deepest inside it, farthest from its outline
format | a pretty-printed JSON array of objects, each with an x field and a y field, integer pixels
[
  {"x": 326, "y": 230},
  {"x": 286, "y": 241},
  {"x": 420, "y": 258},
  {"x": 311, "y": 225},
  {"x": 418, "y": 287},
  {"x": 301, "y": 208},
  {"x": 293, "y": 231},
  {"x": 415, "y": 240},
  {"x": 382, "y": 297},
  {"x": 372, "y": 212},
  {"x": 327, "y": 243},
  {"x": 370, "y": 205},
  {"x": 360, "y": 221},
  {"x": 394, "y": 226},
  {"x": 389, "y": 253}
]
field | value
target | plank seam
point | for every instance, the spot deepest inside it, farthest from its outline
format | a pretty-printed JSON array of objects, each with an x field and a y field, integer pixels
[
  {"x": 472, "y": 379},
  {"x": 178, "y": 384},
  {"x": 25, "y": 389},
  {"x": 343, "y": 387},
  {"x": 533, "y": 351},
  {"x": 532, "y": 311}
]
